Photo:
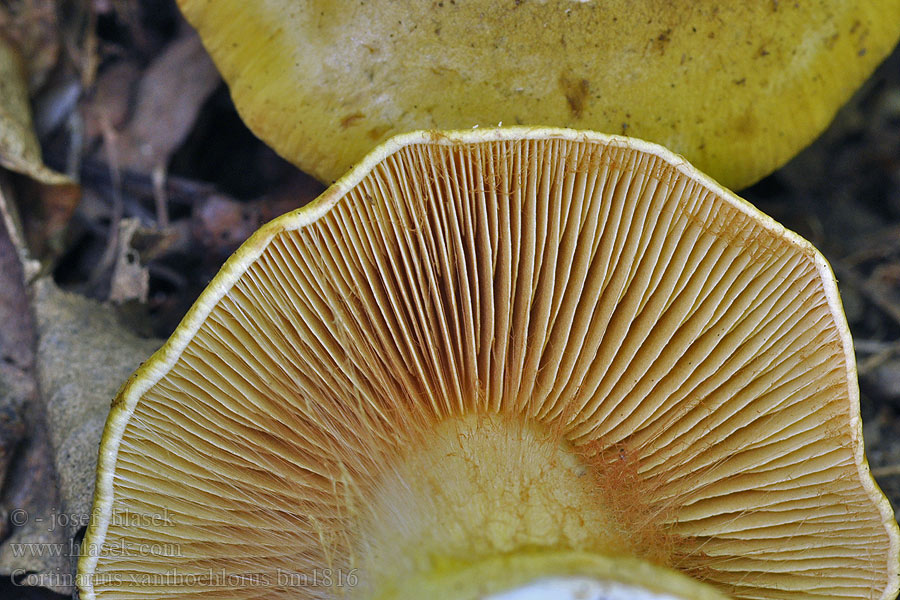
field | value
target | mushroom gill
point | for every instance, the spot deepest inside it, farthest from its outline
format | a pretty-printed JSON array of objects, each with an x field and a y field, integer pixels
[{"x": 484, "y": 358}]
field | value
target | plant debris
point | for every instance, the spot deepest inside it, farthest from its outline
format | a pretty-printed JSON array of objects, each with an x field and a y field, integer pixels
[{"x": 121, "y": 98}]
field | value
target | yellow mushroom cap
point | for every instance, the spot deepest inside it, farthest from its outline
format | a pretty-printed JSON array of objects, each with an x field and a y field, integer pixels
[
  {"x": 736, "y": 87},
  {"x": 488, "y": 359}
]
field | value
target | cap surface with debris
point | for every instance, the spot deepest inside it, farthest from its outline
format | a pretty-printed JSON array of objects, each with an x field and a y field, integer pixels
[{"x": 737, "y": 87}]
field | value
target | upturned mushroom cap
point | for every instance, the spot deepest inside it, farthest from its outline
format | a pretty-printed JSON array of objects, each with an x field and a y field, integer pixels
[
  {"x": 489, "y": 361},
  {"x": 737, "y": 87}
]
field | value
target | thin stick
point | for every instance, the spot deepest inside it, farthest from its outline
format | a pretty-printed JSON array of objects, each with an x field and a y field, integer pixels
[
  {"x": 112, "y": 240},
  {"x": 159, "y": 195}
]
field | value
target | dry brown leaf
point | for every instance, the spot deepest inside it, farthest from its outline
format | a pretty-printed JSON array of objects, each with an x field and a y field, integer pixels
[
  {"x": 38, "y": 551},
  {"x": 169, "y": 97},
  {"x": 46, "y": 213},
  {"x": 19, "y": 148},
  {"x": 15, "y": 231},
  {"x": 220, "y": 223},
  {"x": 130, "y": 280},
  {"x": 109, "y": 100},
  {"x": 35, "y": 28},
  {"x": 50, "y": 197},
  {"x": 29, "y": 504},
  {"x": 16, "y": 358}
]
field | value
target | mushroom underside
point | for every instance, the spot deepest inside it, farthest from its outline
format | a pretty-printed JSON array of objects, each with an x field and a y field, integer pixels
[{"x": 486, "y": 346}]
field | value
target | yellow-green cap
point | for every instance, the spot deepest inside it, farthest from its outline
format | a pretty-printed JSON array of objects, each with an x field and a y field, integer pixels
[{"x": 738, "y": 88}]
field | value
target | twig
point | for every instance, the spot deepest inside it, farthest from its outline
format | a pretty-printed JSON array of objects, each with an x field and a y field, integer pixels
[
  {"x": 75, "y": 126},
  {"x": 884, "y": 243},
  {"x": 886, "y": 471},
  {"x": 178, "y": 190},
  {"x": 864, "y": 346},
  {"x": 159, "y": 195},
  {"x": 878, "y": 358},
  {"x": 172, "y": 276},
  {"x": 870, "y": 290},
  {"x": 112, "y": 241}
]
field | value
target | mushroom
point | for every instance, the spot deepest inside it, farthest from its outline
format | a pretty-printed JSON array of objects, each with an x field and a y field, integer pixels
[
  {"x": 738, "y": 88},
  {"x": 500, "y": 361}
]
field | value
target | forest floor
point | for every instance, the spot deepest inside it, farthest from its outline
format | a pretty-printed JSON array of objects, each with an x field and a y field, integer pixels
[{"x": 166, "y": 197}]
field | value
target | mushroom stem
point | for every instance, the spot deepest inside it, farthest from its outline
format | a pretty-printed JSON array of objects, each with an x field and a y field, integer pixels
[
  {"x": 485, "y": 504},
  {"x": 556, "y": 576}
]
